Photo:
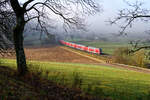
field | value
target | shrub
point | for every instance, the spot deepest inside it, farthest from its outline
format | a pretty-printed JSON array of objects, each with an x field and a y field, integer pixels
[
  {"x": 139, "y": 58},
  {"x": 123, "y": 56}
]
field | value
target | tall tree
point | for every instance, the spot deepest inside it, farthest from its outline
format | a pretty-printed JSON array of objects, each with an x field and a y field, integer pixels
[{"x": 70, "y": 11}]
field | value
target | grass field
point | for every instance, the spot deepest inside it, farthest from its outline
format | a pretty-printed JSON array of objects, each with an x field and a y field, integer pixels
[{"x": 112, "y": 82}]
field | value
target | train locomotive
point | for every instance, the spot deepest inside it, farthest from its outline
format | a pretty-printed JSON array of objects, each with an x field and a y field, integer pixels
[{"x": 82, "y": 47}]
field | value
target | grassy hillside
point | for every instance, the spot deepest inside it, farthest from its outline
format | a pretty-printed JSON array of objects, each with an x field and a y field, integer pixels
[
  {"x": 33, "y": 86},
  {"x": 10, "y": 87},
  {"x": 119, "y": 84}
]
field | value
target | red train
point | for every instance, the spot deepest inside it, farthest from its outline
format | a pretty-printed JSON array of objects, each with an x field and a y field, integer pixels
[{"x": 82, "y": 47}]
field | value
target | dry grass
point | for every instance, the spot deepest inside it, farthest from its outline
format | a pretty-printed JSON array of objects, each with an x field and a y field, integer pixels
[{"x": 122, "y": 55}]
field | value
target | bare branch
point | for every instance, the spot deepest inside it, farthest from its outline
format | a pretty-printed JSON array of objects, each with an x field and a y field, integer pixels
[
  {"x": 62, "y": 9},
  {"x": 70, "y": 11},
  {"x": 27, "y": 3},
  {"x": 131, "y": 15},
  {"x": 139, "y": 48}
]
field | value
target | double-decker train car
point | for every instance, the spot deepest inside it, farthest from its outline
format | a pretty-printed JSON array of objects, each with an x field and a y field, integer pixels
[{"x": 82, "y": 47}]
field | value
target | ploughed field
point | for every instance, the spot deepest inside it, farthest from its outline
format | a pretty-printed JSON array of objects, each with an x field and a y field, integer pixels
[
  {"x": 52, "y": 54},
  {"x": 55, "y": 54}
]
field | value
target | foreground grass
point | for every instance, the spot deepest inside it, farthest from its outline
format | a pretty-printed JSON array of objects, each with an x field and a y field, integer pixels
[
  {"x": 9, "y": 87},
  {"x": 33, "y": 86},
  {"x": 118, "y": 84}
]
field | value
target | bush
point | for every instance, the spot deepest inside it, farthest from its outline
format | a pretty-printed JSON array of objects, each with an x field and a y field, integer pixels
[
  {"x": 123, "y": 56},
  {"x": 139, "y": 58}
]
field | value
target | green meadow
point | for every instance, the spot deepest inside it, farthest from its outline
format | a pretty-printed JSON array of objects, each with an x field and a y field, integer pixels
[{"x": 118, "y": 84}]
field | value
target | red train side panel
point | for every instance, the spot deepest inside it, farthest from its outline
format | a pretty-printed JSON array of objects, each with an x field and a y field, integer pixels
[{"x": 82, "y": 47}]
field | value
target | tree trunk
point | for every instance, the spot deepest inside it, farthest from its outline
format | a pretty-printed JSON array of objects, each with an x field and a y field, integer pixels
[
  {"x": 18, "y": 36},
  {"x": 18, "y": 42}
]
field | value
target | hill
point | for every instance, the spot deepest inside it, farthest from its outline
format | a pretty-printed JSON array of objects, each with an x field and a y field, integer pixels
[
  {"x": 34, "y": 87},
  {"x": 97, "y": 80},
  {"x": 63, "y": 66}
]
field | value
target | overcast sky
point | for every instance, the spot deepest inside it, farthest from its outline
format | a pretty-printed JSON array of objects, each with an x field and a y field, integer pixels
[{"x": 98, "y": 22}]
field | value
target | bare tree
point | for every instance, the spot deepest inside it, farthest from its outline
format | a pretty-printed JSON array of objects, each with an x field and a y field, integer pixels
[
  {"x": 129, "y": 16},
  {"x": 7, "y": 22},
  {"x": 70, "y": 11}
]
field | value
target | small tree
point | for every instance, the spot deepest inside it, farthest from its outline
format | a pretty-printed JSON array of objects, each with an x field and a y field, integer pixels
[{"x": 40, "y": 11}]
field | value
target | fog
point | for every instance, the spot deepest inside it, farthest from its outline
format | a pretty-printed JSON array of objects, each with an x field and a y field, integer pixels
[{"x": 97, "y": 25}]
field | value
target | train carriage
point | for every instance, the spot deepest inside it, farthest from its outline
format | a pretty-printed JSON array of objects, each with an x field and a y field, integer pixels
[{"x": 82, "y": 47}]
